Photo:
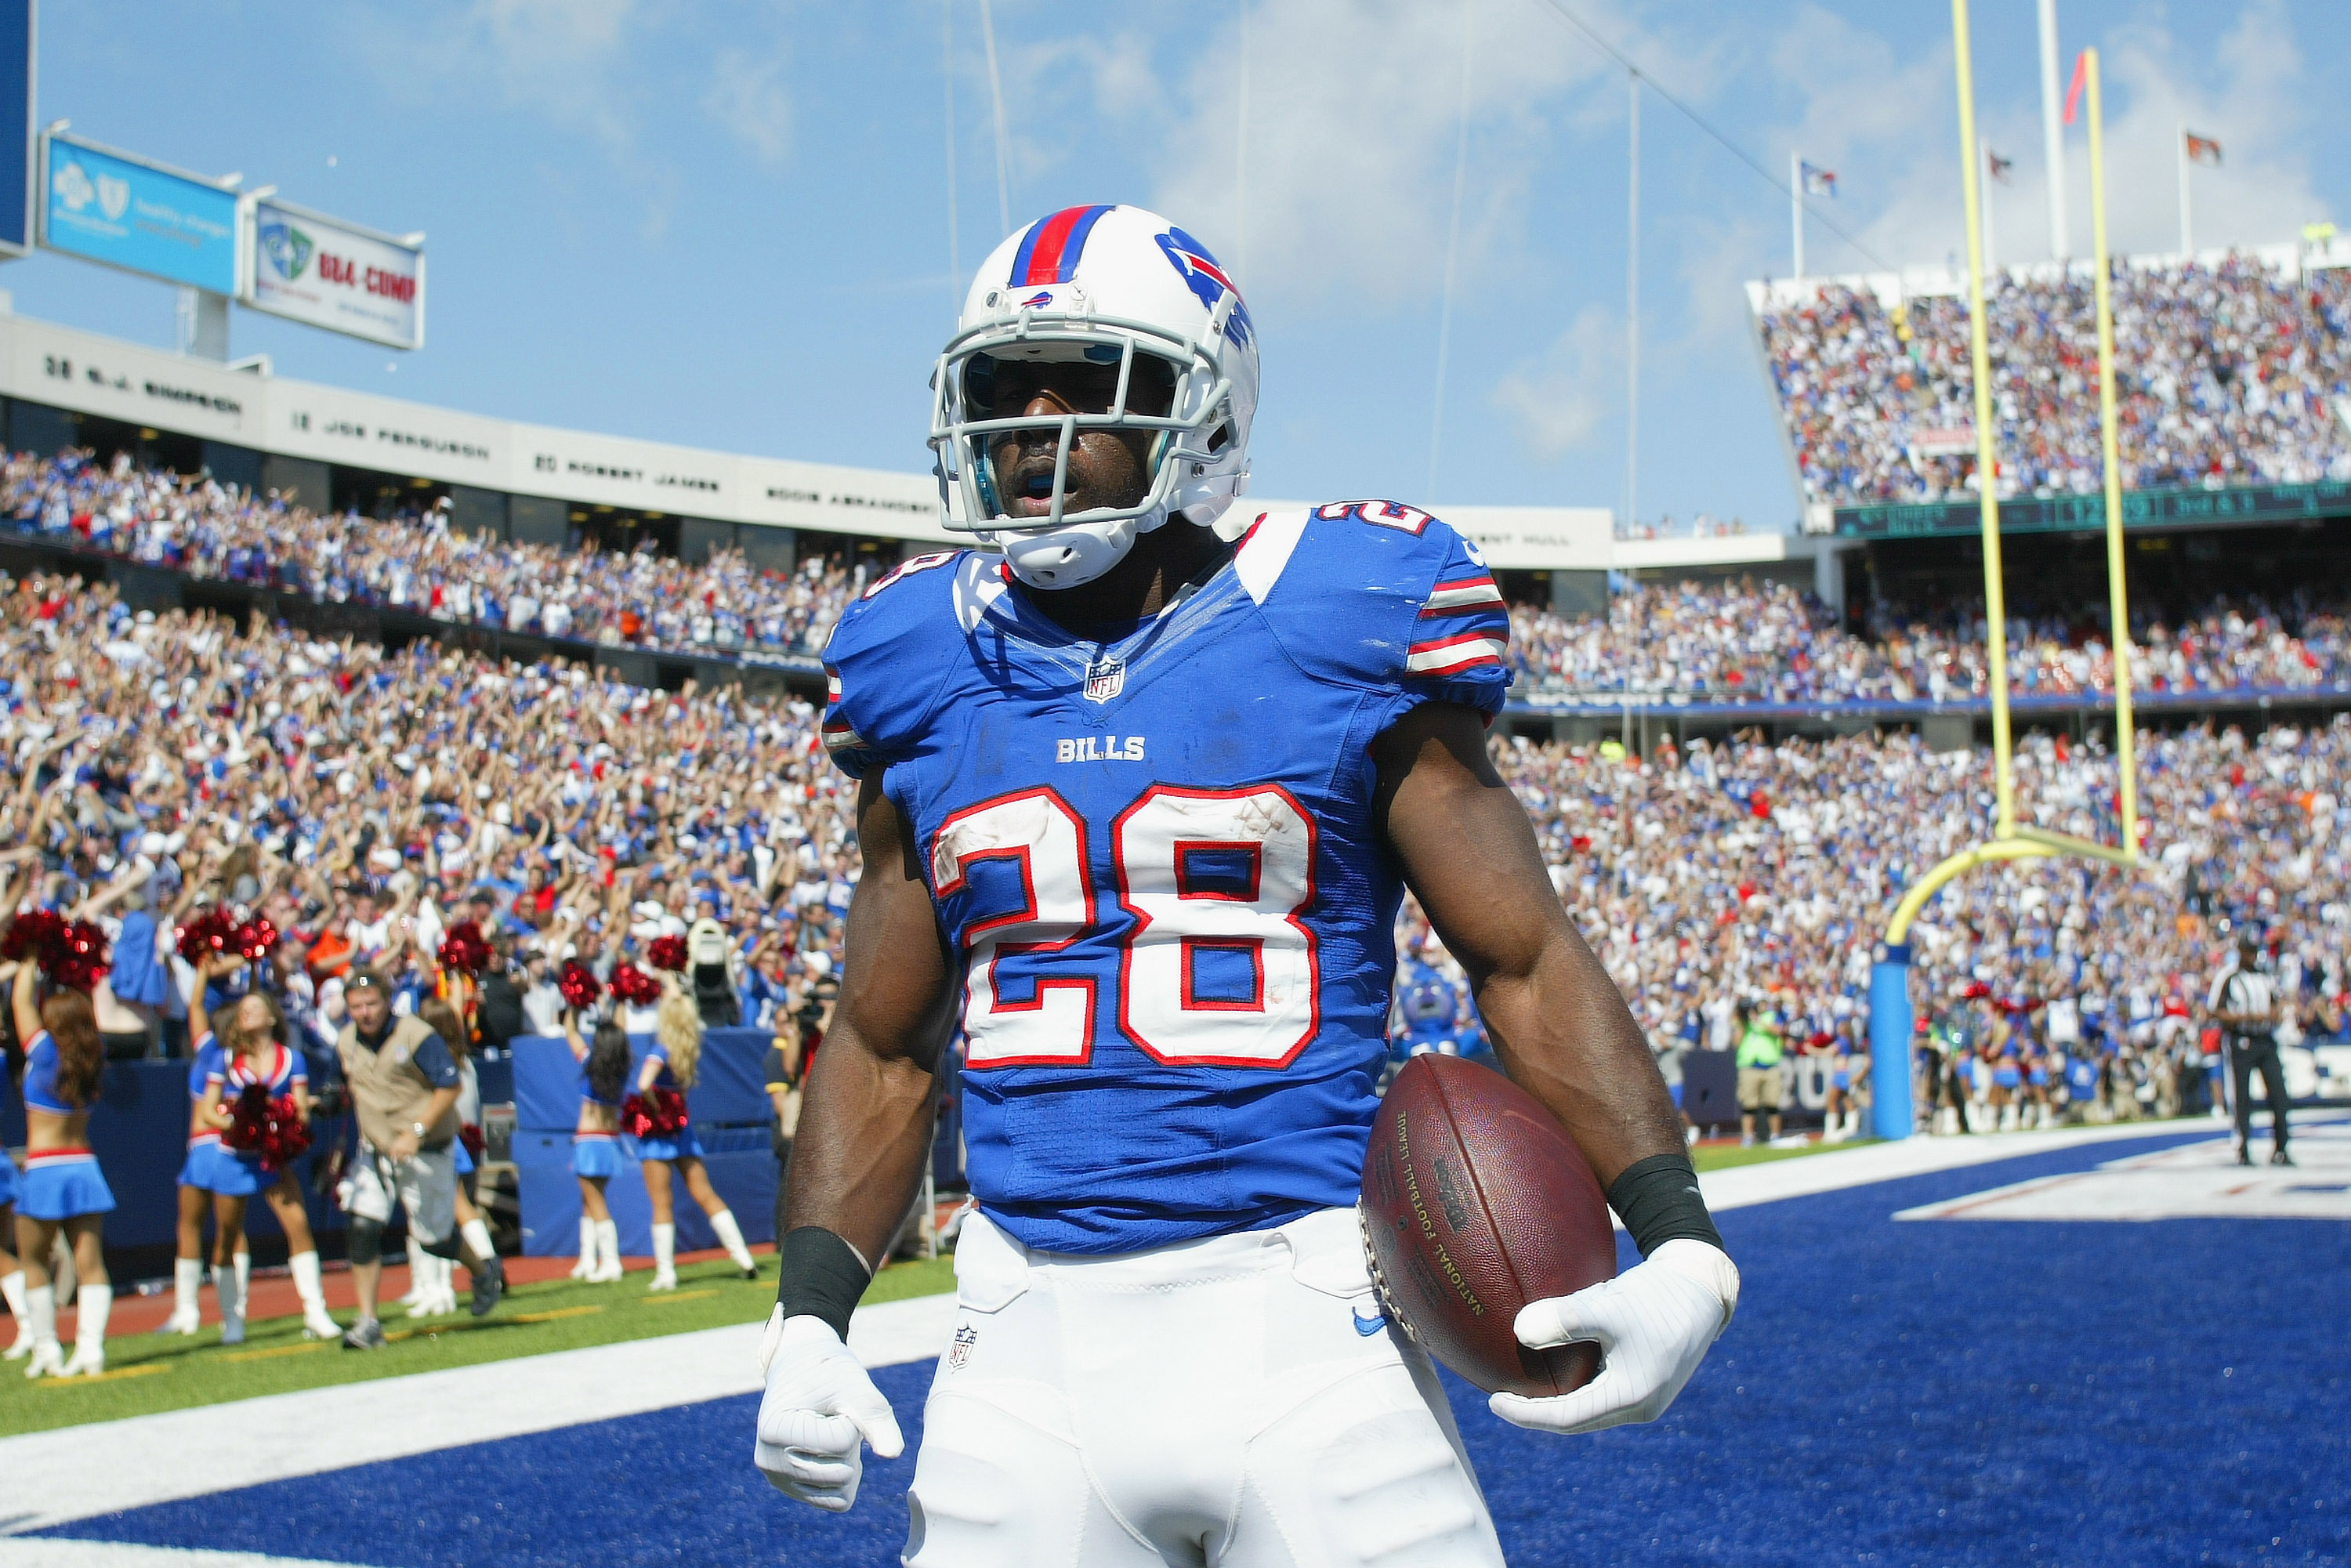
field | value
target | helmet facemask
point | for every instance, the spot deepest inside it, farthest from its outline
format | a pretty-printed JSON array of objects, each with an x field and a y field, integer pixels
[{"x": 1132, "y": 379}]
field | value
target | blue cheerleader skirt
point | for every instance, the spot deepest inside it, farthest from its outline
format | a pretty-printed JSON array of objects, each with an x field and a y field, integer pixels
[
  {"x": 7, "y": 1185},
  {"x": 238, "y": 1175},
  {"x": 684, "y": 1145},
  {"x": 465, "y": 1160},
  {"x": 2007, "y": 1077},
  {"x": 63, "y": 1184},
  {"x": 596, "y": 1156}
]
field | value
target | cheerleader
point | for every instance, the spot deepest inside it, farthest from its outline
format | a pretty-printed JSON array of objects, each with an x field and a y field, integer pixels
[
  {"x": 12, "y": 1273},
  {"x": 253, "y": 1053},
  {"x": 595, "y": 1143},
  {"x": 198, "y": 1181},
  {"x": 63, "y": 1189},
  {"x": 443, "y": 1019},
  {"x": 671, "y": 1065}
]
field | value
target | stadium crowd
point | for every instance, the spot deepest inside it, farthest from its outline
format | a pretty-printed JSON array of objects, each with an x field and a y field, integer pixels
[
  {"x": 419, "y": 562},
  {"x": 368, "y": 800},
  {"x": 1763, "y": 875},
  {"x": 2225, "y": 375},
  {"x": 1731, "y": 641},
  {"x": 1742, "y": 641}
]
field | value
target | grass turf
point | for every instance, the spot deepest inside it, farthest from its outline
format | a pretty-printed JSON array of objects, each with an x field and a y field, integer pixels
[
  {"x": 1722, "y": 1159},
  {"x": 148, "y": 1372}
]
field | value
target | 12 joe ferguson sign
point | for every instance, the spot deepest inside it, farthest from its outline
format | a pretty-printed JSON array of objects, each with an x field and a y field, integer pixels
[{"x": 328, "y": 273}]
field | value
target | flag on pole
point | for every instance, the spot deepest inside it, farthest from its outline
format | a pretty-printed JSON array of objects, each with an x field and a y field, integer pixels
[
  {"x": 1999, "y": 168},
  {"x": 2081, "y": 80},
  {"x": 1818, "y": 181},
  {"x": 2203, "y": 149}
]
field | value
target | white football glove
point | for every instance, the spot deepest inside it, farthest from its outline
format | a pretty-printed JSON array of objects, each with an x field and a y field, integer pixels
[
  {"x": 819, "y": 1407},
  {"x": 1652, "y": 1322}
]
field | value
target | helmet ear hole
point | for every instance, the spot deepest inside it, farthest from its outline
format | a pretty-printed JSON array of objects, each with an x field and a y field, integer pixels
[{"x": 1222, "y": 434}]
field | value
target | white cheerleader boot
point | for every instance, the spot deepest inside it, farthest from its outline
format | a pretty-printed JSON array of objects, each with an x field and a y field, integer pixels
[
  {"x": 316, "y": 1324},
  {"x": 93, "y": 1305},
  {"x": 419, "y": 1276},
  {"x": 40, "y": 1332},
  {"x": 586, "y": 1267},
  {"x": 730, "y": 1236},
  {"x": 664, "y": 1259},
  {"x": 12, "y": 1288},
  {"x": 608, "y": 1253}
]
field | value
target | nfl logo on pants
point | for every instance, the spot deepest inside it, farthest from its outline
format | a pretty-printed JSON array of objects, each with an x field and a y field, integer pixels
[{"x": 1105, "y": 678}]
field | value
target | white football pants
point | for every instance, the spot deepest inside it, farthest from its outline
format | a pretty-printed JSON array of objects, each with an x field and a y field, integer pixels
[{"x": 1236, "y": 1401}]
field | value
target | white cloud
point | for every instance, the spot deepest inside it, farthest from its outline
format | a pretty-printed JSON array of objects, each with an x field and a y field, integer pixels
[
  {"x": 1556, "y": 399},
  {"x": 749, "y": 103},
  {"x": 1354, "y": 107}
]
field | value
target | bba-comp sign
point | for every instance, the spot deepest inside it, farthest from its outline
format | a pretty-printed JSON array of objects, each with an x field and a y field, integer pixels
[
  {"x": 141, "y": 217},
  {"x": 326, "y": 273}
]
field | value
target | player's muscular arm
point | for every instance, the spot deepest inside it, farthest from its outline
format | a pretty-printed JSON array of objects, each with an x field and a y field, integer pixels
[
  {"x": 867, "y": 1117},
  {"x": 1559, "y": 1026},
  {"x": 1563, "y": 1034}
]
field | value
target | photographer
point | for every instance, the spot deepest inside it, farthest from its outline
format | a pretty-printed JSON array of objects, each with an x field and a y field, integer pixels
[
  {"x": 404, "y": 1086},
  {"x": 2244, "y": 1002}
]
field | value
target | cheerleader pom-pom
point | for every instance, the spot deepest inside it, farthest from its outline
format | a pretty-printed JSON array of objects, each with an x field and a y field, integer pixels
[
  {"x": 667, "y": 953},
  {"x": 465, "y": 948},
  {"x": 255, "y": 940},
  {"x": 208, "y": 935},
  {"x": 32, "y": 934},
  {"x": 581, "y": 987},
  {"x": 249, "y": 1121},
  {"x": 634, "y": 987},
  {"x": 77, "y": 958},
  {"x": 471, "y": 1136},
  {"x": 285, "y": 1135},
  {"x": 660, "y": 1114}
]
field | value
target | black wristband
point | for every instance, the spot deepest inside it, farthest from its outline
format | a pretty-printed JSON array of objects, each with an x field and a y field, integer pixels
[
  {"x": 824, "y": 1277},
  {"x": 1657, "y": 1199}
]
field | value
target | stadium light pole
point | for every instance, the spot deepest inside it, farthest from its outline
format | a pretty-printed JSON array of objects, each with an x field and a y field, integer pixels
[{"x": 1891, "y": 1098}]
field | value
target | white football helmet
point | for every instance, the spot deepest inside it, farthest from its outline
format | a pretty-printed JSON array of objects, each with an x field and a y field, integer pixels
[{"x": 1110, "y": 285}]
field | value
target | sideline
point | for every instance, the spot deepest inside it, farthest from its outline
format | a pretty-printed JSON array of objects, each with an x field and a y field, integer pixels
[{"x": 106, "y": 1467}]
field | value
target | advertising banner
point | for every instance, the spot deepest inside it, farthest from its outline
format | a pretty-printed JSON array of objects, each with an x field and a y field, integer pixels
[
  {"x": 19, "y": 143},
  {"x": 326, "y": 272},
  {"x": 142, "y": 218}
]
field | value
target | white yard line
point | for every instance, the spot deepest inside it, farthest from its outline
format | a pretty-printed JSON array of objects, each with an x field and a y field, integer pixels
[
  {"x": 77, "y": 1472},
  {"x": 28, "y": 1554}
]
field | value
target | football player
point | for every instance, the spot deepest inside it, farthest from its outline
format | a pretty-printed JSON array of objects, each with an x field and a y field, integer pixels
[{"x": 1142, "y": 780}]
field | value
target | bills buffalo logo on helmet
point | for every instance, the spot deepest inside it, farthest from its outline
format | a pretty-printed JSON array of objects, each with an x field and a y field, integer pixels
[{"x": 1201, "y": 273}]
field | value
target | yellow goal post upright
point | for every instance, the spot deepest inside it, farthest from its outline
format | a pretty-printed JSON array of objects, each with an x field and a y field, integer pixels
[{"x": 1891, "y": 1020}]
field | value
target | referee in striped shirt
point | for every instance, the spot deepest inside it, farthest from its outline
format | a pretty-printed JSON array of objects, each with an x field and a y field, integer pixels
[{"x": 2244, "y": 1002}]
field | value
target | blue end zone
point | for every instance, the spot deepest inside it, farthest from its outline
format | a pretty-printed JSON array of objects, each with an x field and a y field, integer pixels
[{"x": 1925, "y": 1392}]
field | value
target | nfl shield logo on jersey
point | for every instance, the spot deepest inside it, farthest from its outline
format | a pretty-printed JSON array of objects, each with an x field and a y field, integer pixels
[
  {"x": 1105, "y": 678},
  {"x": 959, "y": 1353}
]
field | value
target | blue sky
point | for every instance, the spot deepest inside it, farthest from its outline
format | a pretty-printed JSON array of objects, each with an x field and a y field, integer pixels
[{"x": 728, "y": 224}]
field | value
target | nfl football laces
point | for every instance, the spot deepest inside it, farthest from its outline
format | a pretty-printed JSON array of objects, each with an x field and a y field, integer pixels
[
  {"x": 821, "y": 1407},
  {"x": 1653, "y": 1325}
]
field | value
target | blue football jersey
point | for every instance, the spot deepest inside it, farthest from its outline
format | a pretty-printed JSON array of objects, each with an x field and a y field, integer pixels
[{"x": 1156, "y": 856}]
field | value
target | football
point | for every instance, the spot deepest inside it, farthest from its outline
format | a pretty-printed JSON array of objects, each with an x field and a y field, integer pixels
[{"x": 1475, "y": 1203}]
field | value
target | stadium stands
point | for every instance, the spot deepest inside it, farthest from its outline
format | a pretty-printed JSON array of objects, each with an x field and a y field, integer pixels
[
  {"x": 597, "y": 815},
  {"x": 2227, "y": 374},
  {"x": 1728, "y": 642},
  {"x": 640, "y": 599}
]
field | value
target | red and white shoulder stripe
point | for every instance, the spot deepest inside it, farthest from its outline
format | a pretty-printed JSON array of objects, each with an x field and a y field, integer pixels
[{"x": 1461, "y": 651}]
